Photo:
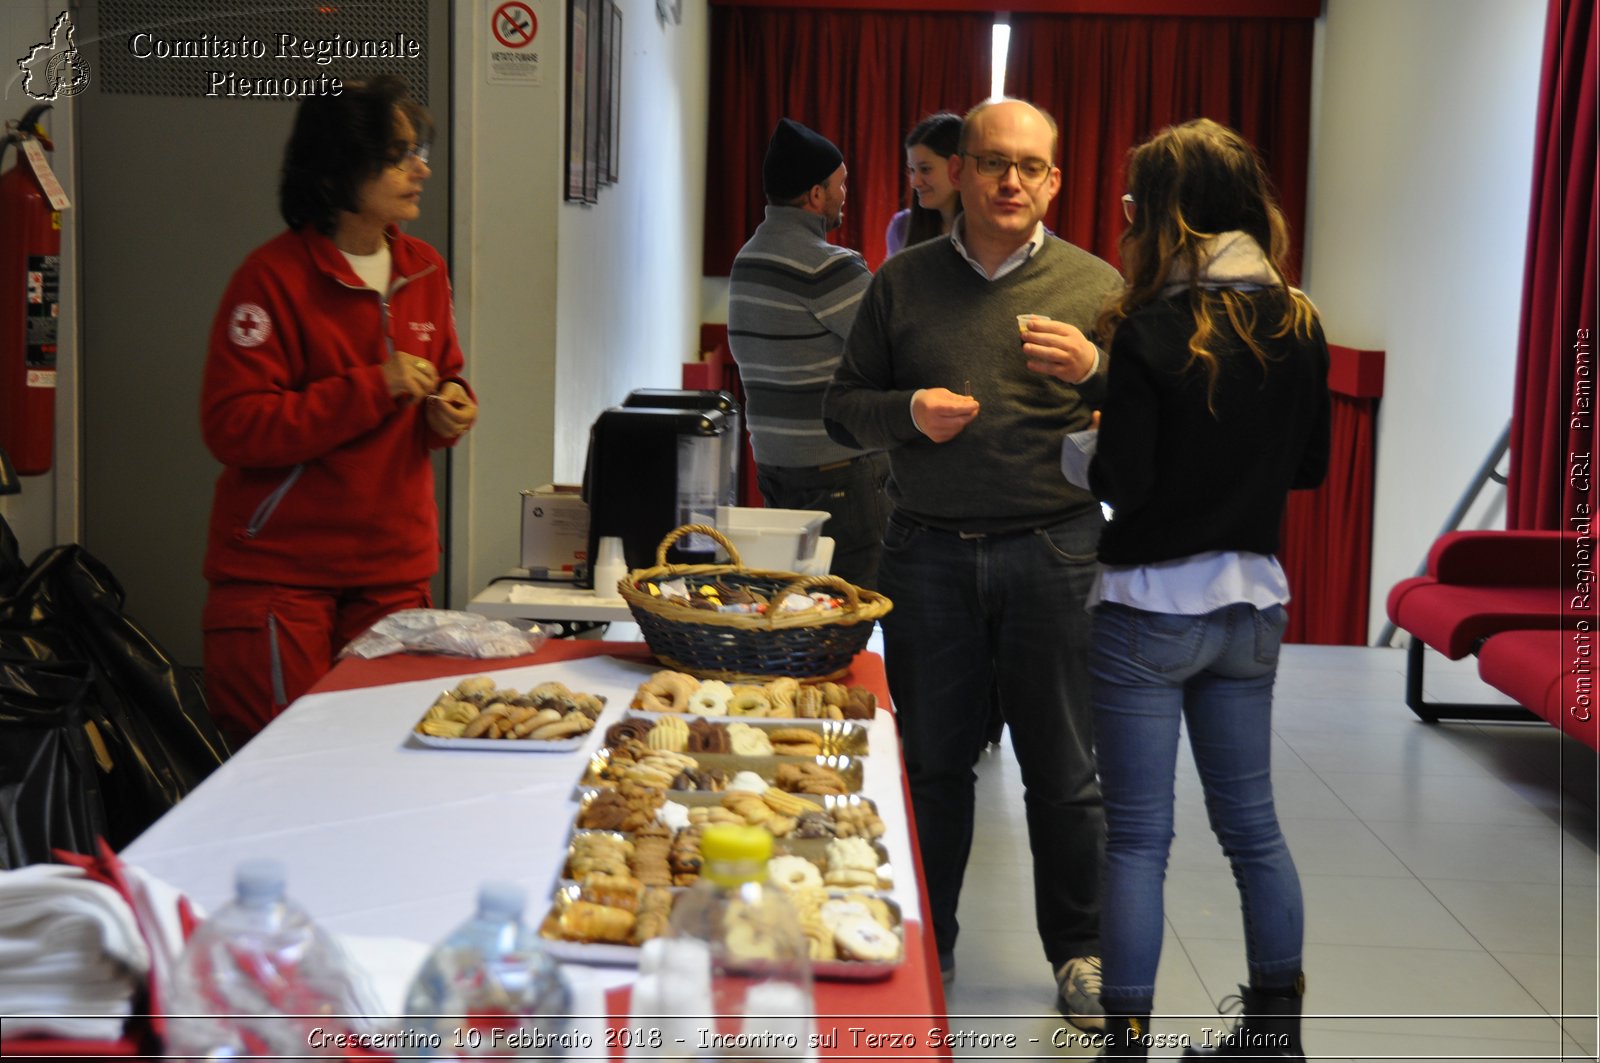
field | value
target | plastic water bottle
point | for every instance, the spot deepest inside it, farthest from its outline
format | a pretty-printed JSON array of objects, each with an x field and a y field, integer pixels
[
  {"x": 490, "y": 988},
  {"x": 260, "y": 978},
  {"x": 732, "y": 976}
]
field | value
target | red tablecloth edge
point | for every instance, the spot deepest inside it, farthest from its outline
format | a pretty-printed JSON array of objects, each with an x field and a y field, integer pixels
[{"x": 353, "y": 672}]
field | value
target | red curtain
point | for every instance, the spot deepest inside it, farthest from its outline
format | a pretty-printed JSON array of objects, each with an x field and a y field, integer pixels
[
  {"x": 1327, "y": 535},
  {"x": 1553, "y": 414},
  {"x": 860, "y": 78},
  {"x": 1111, "y": 81}
]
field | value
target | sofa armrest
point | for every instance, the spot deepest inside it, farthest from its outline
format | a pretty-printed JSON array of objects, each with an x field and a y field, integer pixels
[{"x": 1499, "y": 558}]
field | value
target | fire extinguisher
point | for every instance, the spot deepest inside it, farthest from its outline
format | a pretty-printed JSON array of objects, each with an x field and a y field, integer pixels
[{"x": 31, "y": 202}]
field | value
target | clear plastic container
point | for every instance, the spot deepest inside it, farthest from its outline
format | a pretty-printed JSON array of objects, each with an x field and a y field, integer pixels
[
  {"x": 733, "y": 973},
  {"x": 490, "y": 988},
  {"x": 260, "y": 978}
]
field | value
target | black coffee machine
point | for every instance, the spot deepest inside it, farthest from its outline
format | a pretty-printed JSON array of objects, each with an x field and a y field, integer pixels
[{"x": 660, "y": 460}]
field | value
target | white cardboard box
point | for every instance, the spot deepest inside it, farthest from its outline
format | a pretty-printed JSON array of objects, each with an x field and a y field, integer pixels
[{"x": 555, "y": 531}]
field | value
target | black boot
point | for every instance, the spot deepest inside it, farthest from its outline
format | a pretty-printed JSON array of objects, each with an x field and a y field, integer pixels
[
  {"x": 1269, "y": 1029},
  {"x": 1125, "y": 1037}
]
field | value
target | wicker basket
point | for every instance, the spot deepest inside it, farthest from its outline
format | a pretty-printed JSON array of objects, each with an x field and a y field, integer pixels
[{"x": 807, "y": 644}]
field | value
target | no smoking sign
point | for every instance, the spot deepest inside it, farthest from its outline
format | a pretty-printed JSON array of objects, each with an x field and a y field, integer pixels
[{"x": 513, "y": 42}]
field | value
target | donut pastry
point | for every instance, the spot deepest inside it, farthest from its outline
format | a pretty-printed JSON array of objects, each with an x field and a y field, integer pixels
[
  {"x": 749, "y": 701},
  {"x": 793, "y": 873},
  {"x": 711, "y": 698},
  {"x": 666, "y": 691}
]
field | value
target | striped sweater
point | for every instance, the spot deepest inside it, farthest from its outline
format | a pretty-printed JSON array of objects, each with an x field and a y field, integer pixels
[{"x": 792, "y": 298}]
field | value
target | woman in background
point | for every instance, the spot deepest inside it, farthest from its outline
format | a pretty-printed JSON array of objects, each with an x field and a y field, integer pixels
[
  {"x": 333, "y": 372},
  {"x": 935, "y": 201},
  {"x": 1217, "y": 406}
]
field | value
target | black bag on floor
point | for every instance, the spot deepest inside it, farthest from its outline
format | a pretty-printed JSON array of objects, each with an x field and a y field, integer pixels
[{"x": 100, "y": 731}]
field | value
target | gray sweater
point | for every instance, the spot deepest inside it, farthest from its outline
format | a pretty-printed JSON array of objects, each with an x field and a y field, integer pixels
[
  {"x": 791, "y": 299},
  {"x": 930, "y": 320}
]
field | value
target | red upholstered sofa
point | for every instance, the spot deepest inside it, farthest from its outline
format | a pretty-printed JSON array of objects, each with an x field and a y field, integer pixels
[
  {"x": 1548, "y": 672},
  {"x": 1479, "y": 584}
]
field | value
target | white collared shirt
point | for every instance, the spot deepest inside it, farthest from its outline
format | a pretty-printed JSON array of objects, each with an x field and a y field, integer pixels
[{"x": 1029, "y": 248}]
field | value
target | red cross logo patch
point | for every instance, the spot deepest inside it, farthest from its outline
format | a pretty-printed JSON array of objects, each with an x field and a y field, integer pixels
[{"x": 249, "y": 325}]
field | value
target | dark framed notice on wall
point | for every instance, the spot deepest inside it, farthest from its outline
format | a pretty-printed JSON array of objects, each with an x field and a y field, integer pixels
[
  {"x": 603, "y": 82},
  {"x": 579, "y": 135},
  {"x": 591, "y": 100},
  {"x": 616, "y": 92}
]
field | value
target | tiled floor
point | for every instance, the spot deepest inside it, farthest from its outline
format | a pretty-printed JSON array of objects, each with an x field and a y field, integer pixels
[{"x": 1450, "y": 884}]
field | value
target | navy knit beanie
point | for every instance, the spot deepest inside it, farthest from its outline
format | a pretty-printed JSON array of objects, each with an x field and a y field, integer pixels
[{"x": 797, "y": 158}]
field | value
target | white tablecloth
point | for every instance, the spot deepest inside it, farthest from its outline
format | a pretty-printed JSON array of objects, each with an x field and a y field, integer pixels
[{"x": 385, "y": 837}]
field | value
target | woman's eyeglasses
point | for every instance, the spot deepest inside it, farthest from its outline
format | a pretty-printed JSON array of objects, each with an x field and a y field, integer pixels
[{"x": 404, "y": 155}]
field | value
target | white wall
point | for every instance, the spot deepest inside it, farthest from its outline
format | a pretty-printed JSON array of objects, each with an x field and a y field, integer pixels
[
  {"x": 1421, "y": 169},
  {"x": 46, "y": 512},
  {"x": 564, "y": 308},
  {"x": 628, "y": 305}
]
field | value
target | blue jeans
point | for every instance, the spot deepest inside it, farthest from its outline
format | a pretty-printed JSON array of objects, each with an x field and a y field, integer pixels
[
  {"x": 999, "y": 615},
  {"x": 1216, "y": 672}
]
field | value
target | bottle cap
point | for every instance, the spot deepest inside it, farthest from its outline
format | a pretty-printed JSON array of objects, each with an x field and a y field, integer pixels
[
  {"x": 725, "y": 845},
  {"x": 502, "y": 900},
  {"x": 260, "y": 881}
]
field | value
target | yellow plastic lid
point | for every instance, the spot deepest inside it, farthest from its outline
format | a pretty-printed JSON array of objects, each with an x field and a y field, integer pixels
[{"x": 731, "y": 854}]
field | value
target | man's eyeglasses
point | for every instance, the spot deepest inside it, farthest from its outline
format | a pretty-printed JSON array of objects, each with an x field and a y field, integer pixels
[
  {"x": 1127, "y": 206},
  {"x": 1029, "y": 171},
  {"x": 402, "y": 155}
]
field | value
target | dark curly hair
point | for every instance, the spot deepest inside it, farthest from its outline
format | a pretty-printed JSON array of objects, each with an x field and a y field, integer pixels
[{"x": 341, "y": 142}]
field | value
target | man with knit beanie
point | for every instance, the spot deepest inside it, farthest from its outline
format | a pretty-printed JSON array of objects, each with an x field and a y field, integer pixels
[
  {"x": 792, "y": 299},
  {"x": 990, "y": 553}
]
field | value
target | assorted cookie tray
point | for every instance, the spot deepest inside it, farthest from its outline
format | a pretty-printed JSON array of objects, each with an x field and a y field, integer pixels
[
  {"x": 742, "y": 737},
  {"x": 853, "y": 936},
  {"x": 674, "y": 859},
  {"x": 677, "y": 693},
  {"x": 816, "y": 776},
  {"x": 475, "y": 714},
  {"x": 786, "y": 756}
]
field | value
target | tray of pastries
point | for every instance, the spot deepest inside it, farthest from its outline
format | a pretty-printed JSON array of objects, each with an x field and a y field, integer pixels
[
  {"x": 475, "y": 714},
  {"x": 678, "y": 693},
  {"x": 629, "y": 808},
  {"x": 633, "y": 761},
  {"x": 852, "y": 935},
  {"x": 658, "y": 855},
  {"x": 749, "y": 736}
]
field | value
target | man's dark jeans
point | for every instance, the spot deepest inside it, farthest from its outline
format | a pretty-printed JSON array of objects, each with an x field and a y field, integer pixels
[{"x": 999, "y": 613}]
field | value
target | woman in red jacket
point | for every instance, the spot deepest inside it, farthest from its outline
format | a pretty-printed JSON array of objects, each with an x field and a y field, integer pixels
[{"x": 333, "y": 371}]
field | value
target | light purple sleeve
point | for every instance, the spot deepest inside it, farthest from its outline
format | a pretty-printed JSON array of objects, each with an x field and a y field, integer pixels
[{"x": 895, "y": 235}]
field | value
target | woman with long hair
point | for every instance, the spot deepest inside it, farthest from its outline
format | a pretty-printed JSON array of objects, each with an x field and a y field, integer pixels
[
  {"x": 1217, "y": 406},
  {"x": 935, "y": 200}
]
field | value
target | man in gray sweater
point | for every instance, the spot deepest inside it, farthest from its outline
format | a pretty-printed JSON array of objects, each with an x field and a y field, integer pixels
[
  {"x": 989, "y": 552},
  {"x": 791, "y": 299}
]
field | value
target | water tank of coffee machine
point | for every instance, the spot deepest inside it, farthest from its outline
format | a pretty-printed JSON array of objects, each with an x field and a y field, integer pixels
[
  {"x": 732, "y": 441},
  {"x": 649, "y": 471}
]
